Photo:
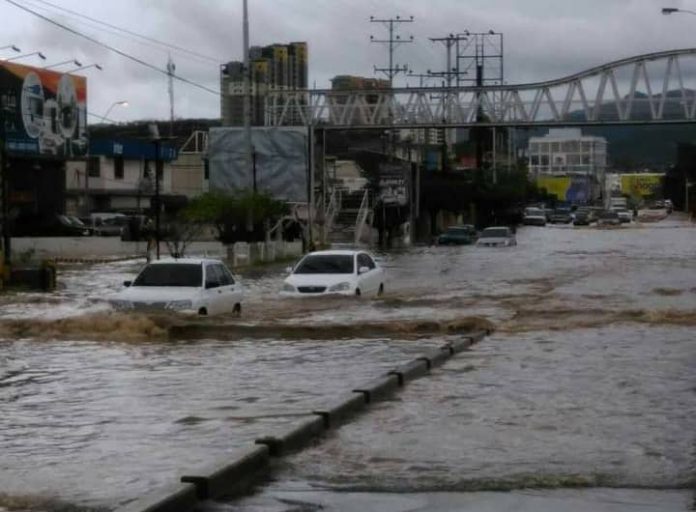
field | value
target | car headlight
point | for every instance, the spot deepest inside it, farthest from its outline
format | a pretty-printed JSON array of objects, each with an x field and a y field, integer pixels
[
  {"x": 340, "y": 287},
  {"x": 121, "y": 305},
  {"x": 288, "y": 288},
  {"x": 178, "y": 305}
]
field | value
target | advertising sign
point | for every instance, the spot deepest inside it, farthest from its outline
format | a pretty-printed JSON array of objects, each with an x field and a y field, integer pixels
[
  {"x": 393, "y": 185},
  {"x": 42, "y": 112},
  {"x": 575, "y": 189},
  {"x": 642, "y": 185}
]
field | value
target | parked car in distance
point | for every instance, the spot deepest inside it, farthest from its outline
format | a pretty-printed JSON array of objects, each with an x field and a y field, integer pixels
[
  {"x": 346, "y": 272},
  {"x": 458, "y": 235},
  {"x": 534, "y": 217},
  {"x": 190, "y": 285},
  {"x": 57, "y": 225},
  {"x": 107, "y": 224},
  {"x": 497, "y": 236},
  {"x": 624, "y": 215},
  {"x": 584, "y": 216},
  {"x": 561, "y": 216},
  {"x": 608, "y": 218}
]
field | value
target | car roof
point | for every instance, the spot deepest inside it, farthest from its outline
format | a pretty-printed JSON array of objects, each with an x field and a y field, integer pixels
[
  {"x": 181, "y": 261},
  {"x": 336, "y": 252},
  {"x": 496, "y": 227}
]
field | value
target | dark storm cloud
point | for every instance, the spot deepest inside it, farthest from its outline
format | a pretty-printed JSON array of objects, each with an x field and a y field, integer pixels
[{"x": 544, "y": 39}]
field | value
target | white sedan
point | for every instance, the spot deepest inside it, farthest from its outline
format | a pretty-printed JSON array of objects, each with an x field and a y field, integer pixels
[
  {"x": 201, "y": 286},
  {"x": 335, "y": 272}
]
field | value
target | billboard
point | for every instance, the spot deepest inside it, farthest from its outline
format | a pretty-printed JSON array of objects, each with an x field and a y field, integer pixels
[
  {"x": 572, "y": 189},
  {"x": 42, "y": 112},
  {"x": 642, "y": 185},
  {"x": 393, "y": 184},
  {"x": 281, "y": 163}
]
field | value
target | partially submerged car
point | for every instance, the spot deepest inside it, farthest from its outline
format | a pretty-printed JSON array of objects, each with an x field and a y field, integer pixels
[
  {"x": 609, "y": 218},
  {"x": 534, "y": 217},
  {"x": 346, "y": 272},
  {"x": 201, "y": 286},
  {"x": 497, "y": 236},
  {"x": 561, "y": 216},
  {"x": 458, "y": 235}
]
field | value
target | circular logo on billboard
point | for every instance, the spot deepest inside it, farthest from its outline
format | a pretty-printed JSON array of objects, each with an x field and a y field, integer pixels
[{"x": 32, "y": 105}]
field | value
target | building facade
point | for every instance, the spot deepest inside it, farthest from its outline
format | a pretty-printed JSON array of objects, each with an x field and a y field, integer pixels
[
  {"x": 566, "y": 155},
  {"x": 273, "y": 68},
  {"x": 119, "y": 176},
  {"x": 348, "y": 83}
]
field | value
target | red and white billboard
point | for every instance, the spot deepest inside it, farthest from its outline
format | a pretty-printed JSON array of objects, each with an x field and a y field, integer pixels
[{"x": 42, "y": 112}]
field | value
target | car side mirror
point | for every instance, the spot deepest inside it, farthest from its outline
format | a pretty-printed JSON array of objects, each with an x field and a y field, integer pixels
[
  {"x": 127, "y": 283},
  {"x": 363, "y": 270}
]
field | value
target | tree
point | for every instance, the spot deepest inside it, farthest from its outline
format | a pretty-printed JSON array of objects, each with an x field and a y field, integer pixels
[{"x": 231, "y": 213}]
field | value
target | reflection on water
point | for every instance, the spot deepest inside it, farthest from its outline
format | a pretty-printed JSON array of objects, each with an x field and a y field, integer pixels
[{"x": 586, "y": 381}]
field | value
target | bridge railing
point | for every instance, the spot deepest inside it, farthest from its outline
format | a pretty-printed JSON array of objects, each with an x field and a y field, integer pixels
[{"x": 653, "y": 88}]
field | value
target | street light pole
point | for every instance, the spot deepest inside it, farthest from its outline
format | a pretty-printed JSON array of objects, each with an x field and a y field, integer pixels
[
  {"x": 41, "y": 56},
  {"x": 71, "y": 61},
  {"x": 155, "y": 136},
  {"x": 122, "y": 103}
]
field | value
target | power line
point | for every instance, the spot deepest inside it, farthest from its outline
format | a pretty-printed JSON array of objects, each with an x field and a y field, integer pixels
[
  {"x": 130, "y": 32},
  {"x": 111, "y": 48}
]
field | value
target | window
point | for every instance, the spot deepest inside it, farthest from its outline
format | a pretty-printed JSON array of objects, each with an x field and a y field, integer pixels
[
  {"x": 206, "y": 169},
  {"x": 225, "y": 278},
  {"x": 227, "y": 274},
  {"x": 365, "y": 261},
  {"x": 326, "y": 264},
  {"x": 93, "y": 167},
  {"x": 213, "y": 279},
  {"x": 118, "y": 167},
  {"x": 170, "y": 274}
]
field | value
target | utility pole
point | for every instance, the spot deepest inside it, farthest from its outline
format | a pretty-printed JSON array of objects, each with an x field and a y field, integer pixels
[
  {"x": 170, "y": 74},
  {"x": 393, "y": 41},
  {"x": 246, "y": 105},
  {"x": 449, "y": 74}
]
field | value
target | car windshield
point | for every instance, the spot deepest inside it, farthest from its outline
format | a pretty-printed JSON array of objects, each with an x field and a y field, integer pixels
[
  {"x": 326, "y": 264},
  {"x": 494, "y": 233},
  {"x": 460, "y": 230},
  {"x": 171, "y": 274},
  {"x": 534, "y": 212}
]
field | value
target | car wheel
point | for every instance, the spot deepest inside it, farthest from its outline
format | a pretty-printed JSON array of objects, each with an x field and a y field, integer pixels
[
  {"x": 357, "y": 292},
  {"x": 380, "y": 292},
  {"x": 203, "y": 312},
  {"x": 237, "y": 309}
]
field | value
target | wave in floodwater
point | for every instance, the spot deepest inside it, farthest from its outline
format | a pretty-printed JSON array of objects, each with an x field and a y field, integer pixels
[
  {"x": 560, "y": 319},
  {"x": 111, "y": 326},
  {"x": 106, "y": 326},
  {"x": 38, "y": 503},
  {"x": 505, "y": 484}
]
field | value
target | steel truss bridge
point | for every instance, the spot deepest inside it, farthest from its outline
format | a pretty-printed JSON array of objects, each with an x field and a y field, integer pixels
[{"x": 655, "y": 88}]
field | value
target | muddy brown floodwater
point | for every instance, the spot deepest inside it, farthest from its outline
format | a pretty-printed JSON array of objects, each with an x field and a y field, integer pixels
[{"x": 587, "y": 381}]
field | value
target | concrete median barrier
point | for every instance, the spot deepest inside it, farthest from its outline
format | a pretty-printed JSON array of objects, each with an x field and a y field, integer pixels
[
  {"x": 233, "y": 476},
  {"x": 299, "y": 437},
  {"x": 341, "y": 410},
  {"x": 378, "y": 388},
  {"x": 176, "y": 498},
  {"x": 410, "y": 371},
  {"x": 436, "y": 357}
]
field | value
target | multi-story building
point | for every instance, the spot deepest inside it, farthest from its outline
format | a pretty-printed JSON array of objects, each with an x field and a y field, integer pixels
[
  {"x": 118, "y": 175},
  {"x": 565, "y": 153},
  {"x": 273, "y": 68},
  {"x": 350, "y": 83}
]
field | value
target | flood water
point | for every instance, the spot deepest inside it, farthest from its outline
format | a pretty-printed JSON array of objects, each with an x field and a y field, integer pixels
[{"x": 588, "y": 379}]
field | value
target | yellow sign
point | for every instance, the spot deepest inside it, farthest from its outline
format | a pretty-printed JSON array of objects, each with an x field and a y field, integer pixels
[{"x": 641, "y": 185}]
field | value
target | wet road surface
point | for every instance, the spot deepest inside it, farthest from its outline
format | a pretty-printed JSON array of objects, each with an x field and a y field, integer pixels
[{"x": 587, "y": 381}]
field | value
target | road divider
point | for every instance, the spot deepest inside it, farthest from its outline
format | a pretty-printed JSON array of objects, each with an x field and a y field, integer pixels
[{"x": 247, "y": 467}]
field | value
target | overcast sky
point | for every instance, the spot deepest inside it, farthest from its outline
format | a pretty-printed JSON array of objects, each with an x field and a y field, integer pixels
[{"x": 544, "y": 39}]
